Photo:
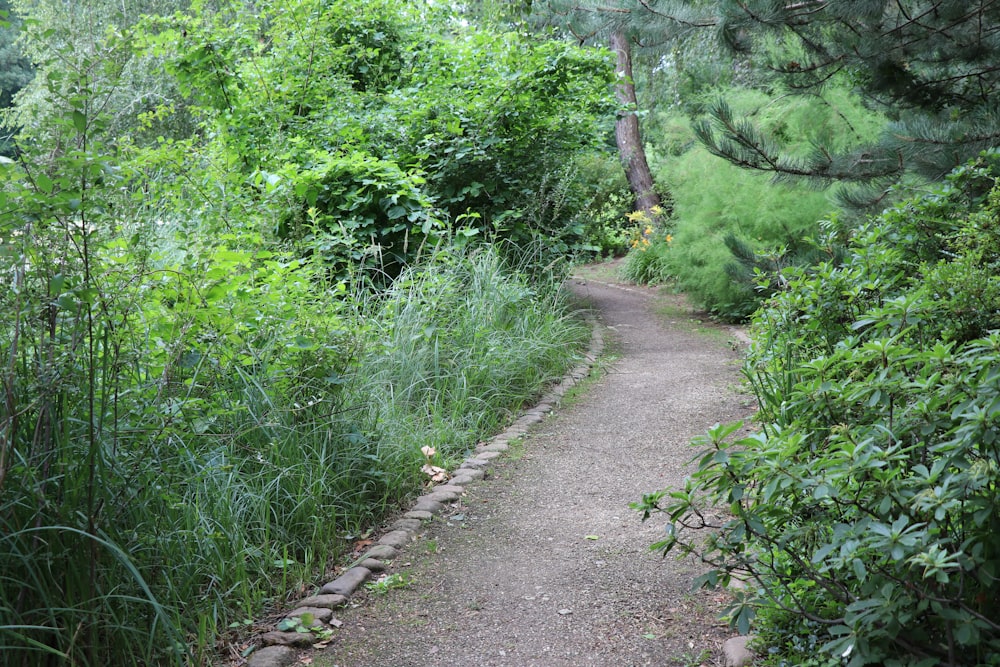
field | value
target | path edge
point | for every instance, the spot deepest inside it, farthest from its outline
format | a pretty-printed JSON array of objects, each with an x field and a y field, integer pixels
[{"x": 282, "y": 648}]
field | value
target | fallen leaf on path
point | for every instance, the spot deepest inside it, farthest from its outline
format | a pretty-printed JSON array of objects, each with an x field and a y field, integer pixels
[{"x": 592, "y": 537}]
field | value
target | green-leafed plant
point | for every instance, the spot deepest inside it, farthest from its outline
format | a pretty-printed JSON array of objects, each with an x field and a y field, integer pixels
[
  {"x": 731, "y": 223},
  {"x": 650, "y": 244},
  {"x": 194, "y": 411},
  {"x": 373, "y": 121},
  {"x": 864, "y": 513}
]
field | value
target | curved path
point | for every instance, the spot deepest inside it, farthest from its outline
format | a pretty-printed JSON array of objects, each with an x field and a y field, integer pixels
[{"x": 543, "y": 564}]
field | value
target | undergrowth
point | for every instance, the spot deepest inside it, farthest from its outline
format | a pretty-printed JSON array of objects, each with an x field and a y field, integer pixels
[{"x": 863, "y": 514}]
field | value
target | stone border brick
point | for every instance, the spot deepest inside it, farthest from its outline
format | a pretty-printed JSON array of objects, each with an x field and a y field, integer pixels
[{"x": 279, "y": 647}]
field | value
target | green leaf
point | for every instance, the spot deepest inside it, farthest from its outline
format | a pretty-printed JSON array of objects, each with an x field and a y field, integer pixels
[
  {"x": 79, "y": 121},
  {"x": 860, "y": 571},
  {"x": 43, "y": 183},
  {"x": 303, "y": 343}
]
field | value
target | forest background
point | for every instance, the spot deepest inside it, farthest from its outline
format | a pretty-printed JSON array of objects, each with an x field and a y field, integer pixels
[{"x": 257, "y": 255}]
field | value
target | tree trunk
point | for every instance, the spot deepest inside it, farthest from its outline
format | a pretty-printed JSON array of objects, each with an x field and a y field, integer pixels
[{"x": 630, "y": 150}]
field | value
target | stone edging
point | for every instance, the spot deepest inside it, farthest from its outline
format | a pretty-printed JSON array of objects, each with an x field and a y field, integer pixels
[{"x": 279, "y": 647}]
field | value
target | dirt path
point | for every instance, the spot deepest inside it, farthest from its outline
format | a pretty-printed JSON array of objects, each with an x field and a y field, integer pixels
[{"x": 543, "y": 564}]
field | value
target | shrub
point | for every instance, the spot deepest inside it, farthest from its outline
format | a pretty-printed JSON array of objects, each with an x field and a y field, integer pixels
[
  {"x": 729, "y": 221},
  {"x": 650, "y": 243},
  {"x": 356, "y": 212},
  {"x": 867, "y": 503},
  {"x": 716, "y": 201}
]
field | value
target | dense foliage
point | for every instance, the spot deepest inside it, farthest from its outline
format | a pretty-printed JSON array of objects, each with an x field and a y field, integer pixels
[
  {"x": 929, "y": 66},
  {"x": 15, "y": 71},
  {"x": 208, "y": 382},
  {"x": 864, "y": 513},
  {"x": 403, "y": 126},
  {"x": 727, "y": 224}
]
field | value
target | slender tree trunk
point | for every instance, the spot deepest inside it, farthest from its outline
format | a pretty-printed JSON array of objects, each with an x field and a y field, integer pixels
[{"x": 630, "y": 150}]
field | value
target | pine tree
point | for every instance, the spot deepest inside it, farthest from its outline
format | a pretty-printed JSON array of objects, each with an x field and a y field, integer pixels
[
  {"x": 611, "y": 26},
  {"x": 930, "y": 65}
]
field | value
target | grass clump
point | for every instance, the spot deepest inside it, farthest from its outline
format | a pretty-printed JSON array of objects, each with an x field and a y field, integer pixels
[
  {"x": 459, "y": 345},
  {"x": 194, "y": 449}
]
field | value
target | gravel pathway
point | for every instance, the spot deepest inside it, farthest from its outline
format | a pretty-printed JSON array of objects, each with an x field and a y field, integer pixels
[{"x": 543, "y": 563}]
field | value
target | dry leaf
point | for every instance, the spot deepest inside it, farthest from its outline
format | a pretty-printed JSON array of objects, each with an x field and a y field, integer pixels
[
  {"x": 436, "y": 474},
  {"x": 361, "y": 545}
]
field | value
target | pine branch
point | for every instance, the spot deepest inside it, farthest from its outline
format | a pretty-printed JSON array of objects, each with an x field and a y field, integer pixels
[{"x": 744, "y": 145}]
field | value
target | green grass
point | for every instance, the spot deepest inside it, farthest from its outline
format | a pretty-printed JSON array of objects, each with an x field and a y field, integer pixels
[{"x": 205, "y": 500}]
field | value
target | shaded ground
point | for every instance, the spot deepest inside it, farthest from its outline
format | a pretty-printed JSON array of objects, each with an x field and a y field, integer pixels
[{"x": 544, "y": 564}]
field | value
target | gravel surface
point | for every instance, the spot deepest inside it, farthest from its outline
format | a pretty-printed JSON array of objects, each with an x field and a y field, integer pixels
[{"x": 543, "y": 563}]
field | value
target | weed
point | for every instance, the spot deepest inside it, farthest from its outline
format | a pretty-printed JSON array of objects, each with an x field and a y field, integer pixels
[
  {"x": 389, "y": 582},
  {"x": 691, "y": 659},
  {"x": 305, "y": 624}
]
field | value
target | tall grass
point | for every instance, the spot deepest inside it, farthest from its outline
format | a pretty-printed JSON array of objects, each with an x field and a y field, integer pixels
[
  {"x": 461, "y": 343},
  {"x": 194, "y": 439}
]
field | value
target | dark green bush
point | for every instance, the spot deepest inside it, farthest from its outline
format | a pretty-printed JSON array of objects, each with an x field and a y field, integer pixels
[
  {"x": 867, "y": 503},
  {"x": 357, "y": 212}
]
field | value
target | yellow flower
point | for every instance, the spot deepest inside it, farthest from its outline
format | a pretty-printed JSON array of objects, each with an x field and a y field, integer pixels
[
  {"x": 656, "y": 210},
  {"x": 669, "y": 238},
  {"x": 649, "y": 230}
]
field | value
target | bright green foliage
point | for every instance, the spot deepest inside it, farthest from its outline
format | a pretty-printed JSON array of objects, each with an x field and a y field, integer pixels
[
  {"x": 493, "y": 117},
  {"x": 731, "y": 224},
  {"x": 195, "y": 412},
  {"x": 720, "y": 208},
  {"x": 384, "y": 124},
  {"x": 357, "y": 209},
  {"x": 866, "y": 507}
]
